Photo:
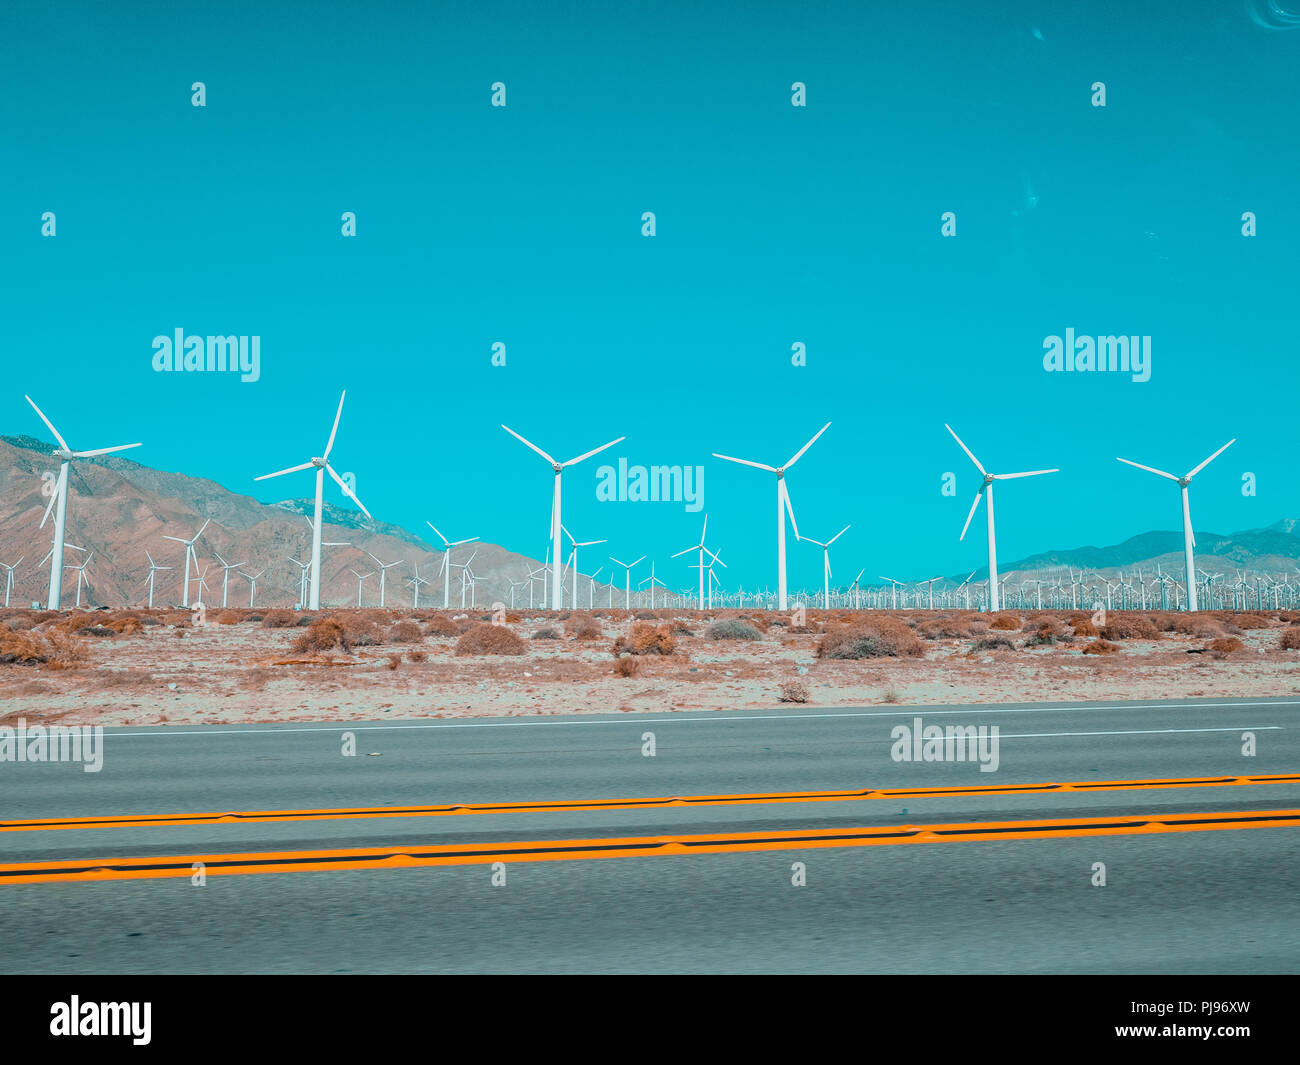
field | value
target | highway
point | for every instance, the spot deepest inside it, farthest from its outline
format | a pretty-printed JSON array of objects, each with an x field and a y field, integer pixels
[{"x": 906, "y": 866}]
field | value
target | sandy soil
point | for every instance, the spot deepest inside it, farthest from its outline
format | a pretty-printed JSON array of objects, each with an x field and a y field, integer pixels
[{"x": 176, "y": 674}]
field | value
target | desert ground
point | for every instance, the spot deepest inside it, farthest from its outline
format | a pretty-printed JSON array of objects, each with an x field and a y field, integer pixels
[{"x": 138, "y": 667}]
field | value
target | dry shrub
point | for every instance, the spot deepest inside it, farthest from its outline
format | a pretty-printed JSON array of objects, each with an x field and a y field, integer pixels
[
  {"x": 588, "y": 630},
  {"x": 627, "y": 666},
  {"x": 733, "y": 629},
  {"x": 490, "y": 640},
  {"x": 1083, "y": 626},
  {"x": 513, "y": 619},
  {"x": 1049, "y": 631},
  {"x": 1290, "y": 638},
  {"x": 20, "y": 622},
  {"x": 871, "y": 638},
  {"x": 679, "y": 628},
  {"x": 405, "y": 632},
  {"x": 646, "y": 615},
  {"x": 1101, "y": 647},
  {"x": 179, "y": 619},
  {"x": 417, "y": 656},
  {"x": 323, "y": 634},
  {"x": 277, "y": 619},
  {"x": 78, "y": 622},
  {"x": 124, "y": 625},
  {"x": 55, "y": 649},
  {"x": 1251, "y": 621},
  {"x": 1005, "y": 622},
  {"x": 1225, "y": 645},
  {"x": 794, "y": 691},
  {"x": 441, "y": 625},
  {"x": 227, "y": 617},
  {"x": 993, "y": 643},
  {"x": 97, "y": 630},
  {"x": 760, "y": 621},
  {"x": 360, "y": 630},
  {"x": 646, "y": 640},
  {"x": 1205, "y": 628},
  {"x": 546, "y": 633},
  {"x": 944, "y": 628},
  {"x": 394, "y": 661},
  {"x": 1129, "y": 627}
]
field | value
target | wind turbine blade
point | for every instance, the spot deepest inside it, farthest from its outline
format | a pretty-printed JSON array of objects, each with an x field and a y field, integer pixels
[
  {"x": 799, "y": 454},
  {"x": 58, "y": 488},
  {"x": 281, "y": 473},
  {"x": 201, "y": 528},
  {"x": 103, "y": 450},
  {"x": 978, "y": 496},
  {"x": 177, "y": 539},
  {"x": 639, "y": 560},
  {"x": 1149, "y": 469},
  {"x": 568, "y": 534},
  {"x": 347, "y": 491},
  {"x": 704, "y": 533},
  {"x": 435, "y": 529},
  {"x": 838, "y": 535},
  {"x": 596, "y": 451},
  {"x": 679, "y": 553},
  {"x": 969, "y": 453},
  {"x": 746, "y": 462},
  {"x": 467, "y": 540},
  {"x": 49, "y": 424},
  {"x": 1211, "y": 458},
  {"x": 1013, "y": 476},
  {"x": 529, "y": 443},
  {"x": 339, "y": 414},
  {"x": 789, "y": 508}
]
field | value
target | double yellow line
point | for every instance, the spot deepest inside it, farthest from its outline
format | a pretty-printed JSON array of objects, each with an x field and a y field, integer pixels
[
  {"x": 45, "y": 872},
  {"x": 627, "y": 847}
]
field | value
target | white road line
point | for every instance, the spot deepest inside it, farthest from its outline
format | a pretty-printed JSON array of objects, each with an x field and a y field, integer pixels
[{"x": 667, "y": 719}]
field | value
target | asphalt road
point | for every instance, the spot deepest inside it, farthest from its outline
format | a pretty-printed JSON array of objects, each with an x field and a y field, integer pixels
[{"x": 1221, "y": 901}]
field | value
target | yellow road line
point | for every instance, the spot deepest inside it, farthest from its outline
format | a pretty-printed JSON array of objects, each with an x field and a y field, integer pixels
[
  {"x": 592, "y": 805},
  {"x": 627, "y": 847}
]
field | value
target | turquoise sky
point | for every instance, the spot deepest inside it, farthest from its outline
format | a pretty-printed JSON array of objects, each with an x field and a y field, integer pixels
[{"x": 775, "y": 225}]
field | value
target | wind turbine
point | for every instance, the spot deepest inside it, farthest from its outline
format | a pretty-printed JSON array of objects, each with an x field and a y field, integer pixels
[
  {"x": 81, "y": 576},
  {"x": 930, "y": 587},
  {"x": 591, "y": 590},
  {"x": 986, "y": 489},
  {"x": 1189, "y": 538},
  {"x": 9, "y": 576},
  {"x": 557, "y": 601},
  {"x": 304, "y": 568},
  {"x": 189, "y": 554},
  {"x": 383, "y": 573},
  {"x": 701, "y": 549},
  {"x": 857, "y": 586},
  {"x": 573, "y": 561},
  {"x": 895, "y": 589},
  {"x": 782, "y": 508},
  {"x": 203, "y": 584},
  {"x": 826, "y": 563},
  {"x": 627, "y": 579},
  {"x": 415, "y": 583},
  {"x": 225, "y": 577},
  {"x": 653, "y": 580},
  {"x": 252, "y": 583},
  {"x": 153, "y": 567},
  {"x": 446, "y": 561},
  {"x": 322, "y": 466},
  {"x": 361, "y": 579},
  {"x": 59, "y": 501}
]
